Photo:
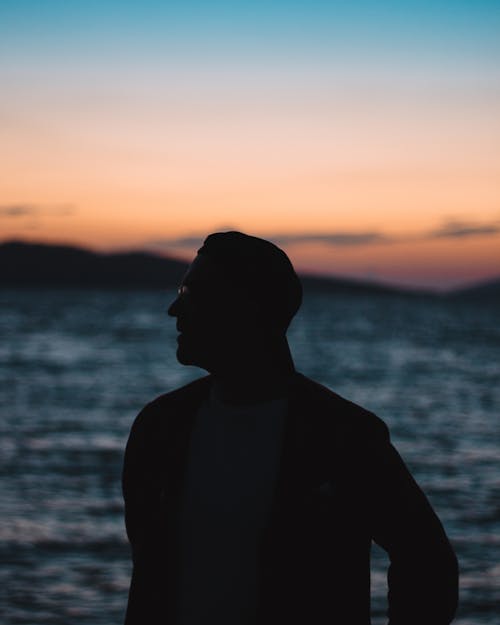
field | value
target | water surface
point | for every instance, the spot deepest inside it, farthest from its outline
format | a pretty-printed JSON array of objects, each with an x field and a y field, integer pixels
[{"x": 77, "y": 366}]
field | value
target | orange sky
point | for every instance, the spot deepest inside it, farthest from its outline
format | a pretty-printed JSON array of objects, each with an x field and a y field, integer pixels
[{"x": 112, "y": 155}]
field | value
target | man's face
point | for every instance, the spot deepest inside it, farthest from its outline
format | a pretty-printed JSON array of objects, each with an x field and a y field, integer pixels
[{"x": 213, "y": 317}]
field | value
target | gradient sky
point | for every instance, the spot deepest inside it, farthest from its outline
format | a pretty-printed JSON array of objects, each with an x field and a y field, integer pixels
[{"x": 362, "y": 137}]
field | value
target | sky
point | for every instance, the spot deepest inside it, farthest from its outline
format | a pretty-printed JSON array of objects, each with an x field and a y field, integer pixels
[{"x": 363, "y": 138}]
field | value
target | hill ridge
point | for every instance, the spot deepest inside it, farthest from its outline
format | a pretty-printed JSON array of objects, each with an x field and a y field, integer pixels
[{"x": 26, "y": 264}]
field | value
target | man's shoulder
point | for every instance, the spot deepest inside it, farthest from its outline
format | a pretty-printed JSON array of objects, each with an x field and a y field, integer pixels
[
  {"x": 345, "y": 416},
  {"x": 174, "y": 402},
  {"x": 196, "y": 389}
]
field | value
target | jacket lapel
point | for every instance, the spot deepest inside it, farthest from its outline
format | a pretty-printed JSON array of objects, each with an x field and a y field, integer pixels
[{"x": 301, "y": 468}]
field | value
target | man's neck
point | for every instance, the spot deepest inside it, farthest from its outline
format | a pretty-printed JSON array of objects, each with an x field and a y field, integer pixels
[
  {"x": 255, "y": 379},
  {"x": 251, "y": 389}
]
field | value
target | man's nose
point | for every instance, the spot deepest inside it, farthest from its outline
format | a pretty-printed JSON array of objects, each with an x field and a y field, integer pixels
[{"x": 173, "y": 308}]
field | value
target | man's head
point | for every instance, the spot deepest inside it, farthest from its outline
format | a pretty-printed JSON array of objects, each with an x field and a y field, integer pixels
[{"x": 239, "y": 294}]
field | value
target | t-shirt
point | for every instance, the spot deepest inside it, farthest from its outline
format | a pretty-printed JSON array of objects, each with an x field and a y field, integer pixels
[{"x": 232, "y": 468}]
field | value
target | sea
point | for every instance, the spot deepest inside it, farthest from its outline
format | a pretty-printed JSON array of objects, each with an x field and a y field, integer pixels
[{"x": 76, "y": 366}]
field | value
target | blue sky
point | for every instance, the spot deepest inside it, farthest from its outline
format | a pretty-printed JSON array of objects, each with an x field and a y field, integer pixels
[
  {"x": 160, "y": 120},
  {"x": 435, "y": 31}
]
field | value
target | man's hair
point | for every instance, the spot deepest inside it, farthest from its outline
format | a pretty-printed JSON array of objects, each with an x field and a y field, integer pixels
[{"x": 261, "y": 269}]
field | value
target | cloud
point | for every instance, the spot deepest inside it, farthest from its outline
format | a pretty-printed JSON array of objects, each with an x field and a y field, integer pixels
[
  {"x": 451, "y": 229},
  {"x": 334, "y": 239},
  {"x": 17, "y": 210},
  {"x": 31, "y": 210},
  {"x": 189, "y": 241},
  {"x": 455, "y": 229}
]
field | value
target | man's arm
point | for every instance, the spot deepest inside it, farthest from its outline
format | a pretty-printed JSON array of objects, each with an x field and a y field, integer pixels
[
  {"x": 141, "y": 496},
  {"x": 423, "y": 571}
]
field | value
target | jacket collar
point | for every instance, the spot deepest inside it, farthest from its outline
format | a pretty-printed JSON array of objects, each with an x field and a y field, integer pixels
[{"x": 300, "y": 464}]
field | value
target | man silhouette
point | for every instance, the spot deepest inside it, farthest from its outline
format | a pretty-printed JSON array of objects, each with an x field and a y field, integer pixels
[{"x": 252, "y": 495}]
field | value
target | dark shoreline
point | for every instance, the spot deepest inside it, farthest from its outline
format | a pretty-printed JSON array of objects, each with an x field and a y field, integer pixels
[{"x": 28, "y": 265}]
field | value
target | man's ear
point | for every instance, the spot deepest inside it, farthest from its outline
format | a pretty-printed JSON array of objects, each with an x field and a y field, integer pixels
[{"x": 252, "y": 309}]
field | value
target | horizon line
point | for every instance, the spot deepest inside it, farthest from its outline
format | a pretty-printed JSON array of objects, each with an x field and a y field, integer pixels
[{"x": 306, "y": 273}]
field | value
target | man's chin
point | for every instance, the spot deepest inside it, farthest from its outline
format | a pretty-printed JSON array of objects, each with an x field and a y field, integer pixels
[
  {"x": 183, "y": 356},
  {"x": 186, "y": 357}
]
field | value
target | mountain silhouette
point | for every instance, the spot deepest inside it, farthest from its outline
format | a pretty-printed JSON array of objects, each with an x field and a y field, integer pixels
[
  {"x": 482, "y": 292},
  {"x": 39, "y": 264},
  {"x": 24, "y": 264}
]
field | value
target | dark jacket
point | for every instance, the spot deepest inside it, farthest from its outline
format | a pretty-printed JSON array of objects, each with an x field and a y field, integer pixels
[{"x": 341, "y": 484}]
